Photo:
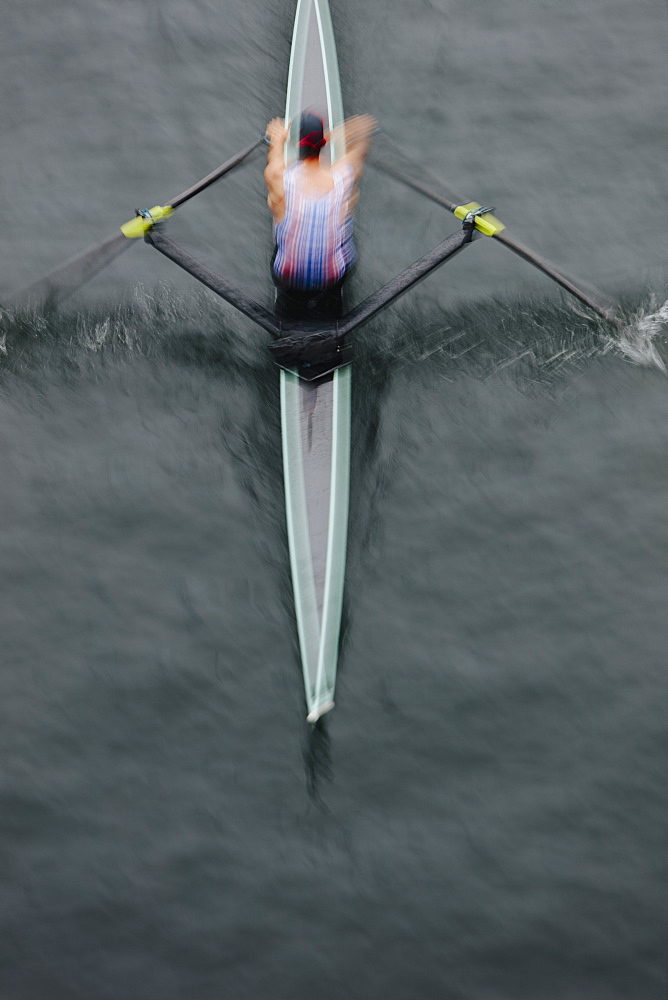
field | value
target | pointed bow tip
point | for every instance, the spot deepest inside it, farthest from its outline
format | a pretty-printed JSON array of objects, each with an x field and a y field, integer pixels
[{"x": 316, "y": 713}]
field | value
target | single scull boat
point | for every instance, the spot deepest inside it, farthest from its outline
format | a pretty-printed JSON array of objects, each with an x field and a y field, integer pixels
[
  {"x": 315, "y": 375},
  {"x": 315, "y": 415}
]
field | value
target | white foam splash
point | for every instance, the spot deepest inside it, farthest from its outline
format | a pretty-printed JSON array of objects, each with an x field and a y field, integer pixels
[{"x": 636, "y": 342}]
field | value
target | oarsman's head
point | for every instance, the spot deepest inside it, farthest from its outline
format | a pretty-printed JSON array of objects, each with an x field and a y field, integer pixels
[{"x": 311, "y": 136}]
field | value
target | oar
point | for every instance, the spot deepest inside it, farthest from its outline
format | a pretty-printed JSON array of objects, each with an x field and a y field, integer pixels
[
  {"x": 63, "y": 281},
  {"x": 497, "y": 230}
]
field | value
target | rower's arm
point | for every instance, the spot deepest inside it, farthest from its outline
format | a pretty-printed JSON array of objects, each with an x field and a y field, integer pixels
[
  {"x": 277, "y": 135},
  {"x": 358, "y": 141}
]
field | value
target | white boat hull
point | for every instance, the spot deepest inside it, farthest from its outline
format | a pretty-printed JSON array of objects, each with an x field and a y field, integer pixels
[{"x": 315, "y": 416}]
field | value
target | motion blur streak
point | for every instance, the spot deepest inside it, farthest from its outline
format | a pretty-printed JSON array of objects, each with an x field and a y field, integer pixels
[{"x": 485, "y": 816}]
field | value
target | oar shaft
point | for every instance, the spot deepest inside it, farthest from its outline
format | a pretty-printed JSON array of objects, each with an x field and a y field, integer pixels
[
  {"x": 595, "y": 303},
  {"x": 215, "y": 175},
  {"x": 411, "y": 182},
  {"x": 551, "y": 271},
  {"x": 64, "y": 280}
]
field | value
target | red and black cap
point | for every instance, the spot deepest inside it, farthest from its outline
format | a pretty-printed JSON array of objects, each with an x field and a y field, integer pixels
[{"x": 311, "y": 136}]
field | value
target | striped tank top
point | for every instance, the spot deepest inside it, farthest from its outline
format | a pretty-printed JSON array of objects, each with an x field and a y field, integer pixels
[{"x": 314, "y": 240}]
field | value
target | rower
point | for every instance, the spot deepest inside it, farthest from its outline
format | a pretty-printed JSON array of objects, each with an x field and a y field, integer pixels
[{"x": 312, "y": 204}]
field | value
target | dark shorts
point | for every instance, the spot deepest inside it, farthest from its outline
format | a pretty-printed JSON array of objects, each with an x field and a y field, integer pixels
[{"x": 311, "y": 304}]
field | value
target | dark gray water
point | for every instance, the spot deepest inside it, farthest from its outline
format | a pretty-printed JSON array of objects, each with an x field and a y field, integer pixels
[{"x": 484, "y": 815}]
